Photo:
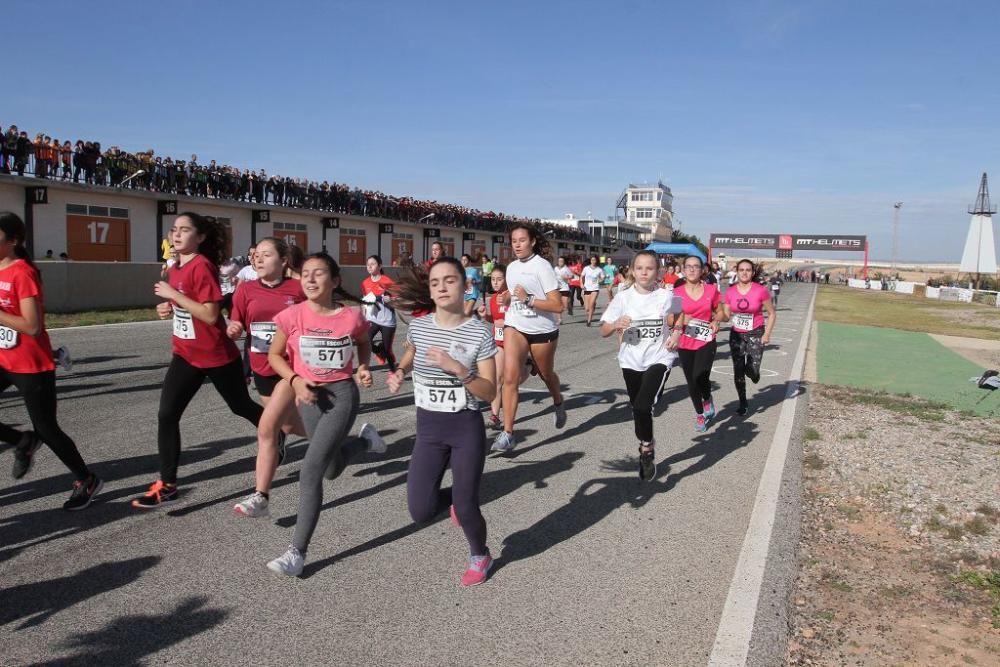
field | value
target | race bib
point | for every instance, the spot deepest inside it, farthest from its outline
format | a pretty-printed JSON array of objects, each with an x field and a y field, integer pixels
[
  {"x": 498, "y": 334},
  {"x": 775, "y": 287},
  {"x": 743, "y": 321},
  {"x": 439, "y": 394},
  {"x": 183, "y": 324},
  {"x": 648, "y": 330},
  {"x": 522, "y": 309},
  {"x": 699, "y": 330},
  {"x": 8, "y": 338},
  {"x": 327, "y": 353},
  {"x": 261, "y": 334}
]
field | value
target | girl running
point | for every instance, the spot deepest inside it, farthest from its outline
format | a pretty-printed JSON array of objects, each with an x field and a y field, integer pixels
[
  {"x": 26, "y": 363},
  {"x": 200, "y": 346},
  {"x": 693, "y": 336},
  {"x": 318, "y": 337},
  {"x": 255, "y": 306},
  {"x": 473, "y": 278},
  {"x": 744, "y": 305},
  {"x": 494, "y": 312},
  {"x": 563, "y": 275},
  {"x": 533, "y": 305},
  {"x": 639, "y": 316},
  {"x": 592, "y": 276},
  {"x": 380, "y": 314},
  {"x": 453, "y": 369}
]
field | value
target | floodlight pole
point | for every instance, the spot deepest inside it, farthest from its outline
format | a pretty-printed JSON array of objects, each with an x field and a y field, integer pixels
[{"x": 895, "y": 233}]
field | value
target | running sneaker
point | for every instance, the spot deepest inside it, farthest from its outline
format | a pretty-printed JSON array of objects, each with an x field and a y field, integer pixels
[
  {"x": 493, "y": 421},
  {"x": 454, "y": 517},
  {"x": 24, "y": 454},
  {"x": 282, "y": 450},
  {"x": 158, "y": 494},
  {"x": 376, "y": 445},
  {"x": 504, "y": 442},
  {"x": 253, "y": 505},
  {"x": 379, "y": 359},
  {"x": 289, "y": 563},
  {"x": 64, "y": 359},
  {"x": 699, "y": 424},
  {"x": 709, "y": 408},
  {"x": 479, "y": 570},
  {"x": 559, "y": 416},
  {"x": 647, "y": 464},
  {"x": 83, "y": 493},
  {"x": 743, "y": 409}
]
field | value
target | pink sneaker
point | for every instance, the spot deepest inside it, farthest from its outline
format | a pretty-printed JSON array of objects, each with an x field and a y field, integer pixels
[
  {"x": 479, "y": 570},
  {"x": 454, "y": 517}
]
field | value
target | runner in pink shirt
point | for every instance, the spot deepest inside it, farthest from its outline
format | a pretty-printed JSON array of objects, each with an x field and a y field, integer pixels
[
  {"x": 744, "y": 306},
  {"x": 694, "y": 335}
]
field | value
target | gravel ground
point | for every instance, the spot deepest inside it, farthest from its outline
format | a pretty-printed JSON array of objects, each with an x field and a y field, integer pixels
[{"x": 901, "y": 526}]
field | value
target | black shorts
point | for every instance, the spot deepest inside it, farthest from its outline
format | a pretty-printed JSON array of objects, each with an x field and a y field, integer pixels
[
  {"x": 591, "y": 291},
  {"x": 536, "y": 338},
  {"x": 565, "y": 292},
  {"x": 265, "y": 383}
]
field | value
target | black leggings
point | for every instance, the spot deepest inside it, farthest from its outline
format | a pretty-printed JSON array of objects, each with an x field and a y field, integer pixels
[
  {"x": 738, "y": 350},
  {"x": 179, "y": 386},
  {"x": 39, "y": 393},
  {"x": 644, "y": 388},
  {"x": 457, "y": 439},
  {"x": 697, "y": 365},
  {"x": 385, "y": 349}
]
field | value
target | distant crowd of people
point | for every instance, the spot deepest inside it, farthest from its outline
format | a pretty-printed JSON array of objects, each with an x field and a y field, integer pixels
[{"x": 88, "y": 162}]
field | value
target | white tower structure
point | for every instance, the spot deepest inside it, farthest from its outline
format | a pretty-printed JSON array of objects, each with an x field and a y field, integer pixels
[
  {"x": 651, "y": 207},
  {"x": 980, "y": 254}
]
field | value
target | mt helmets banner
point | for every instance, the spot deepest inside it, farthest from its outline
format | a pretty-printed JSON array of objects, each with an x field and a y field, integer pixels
[
  {"x": 748, "y": 241},
  {"x": 811, "y": 242}
]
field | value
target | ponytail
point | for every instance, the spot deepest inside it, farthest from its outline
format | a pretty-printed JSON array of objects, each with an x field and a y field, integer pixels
[{"x": 15, "y": 230}]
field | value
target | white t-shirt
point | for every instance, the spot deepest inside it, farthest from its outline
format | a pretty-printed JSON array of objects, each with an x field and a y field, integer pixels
[
  {"x": 592, "y": 277},
  {"x": 538, "y": 278},
  {"x": 563, "y": 275},
  {"x": 648, "y": 313},
  {"x": 247, "y": 274}
]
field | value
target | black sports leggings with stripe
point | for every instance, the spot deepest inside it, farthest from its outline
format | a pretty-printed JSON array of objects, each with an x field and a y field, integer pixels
[
  {"x": 179, "y": 386},
  {"x": 644, "y": 388},
  {"x": 697, "y": 365},
  {"x": 39, "y": 393}
]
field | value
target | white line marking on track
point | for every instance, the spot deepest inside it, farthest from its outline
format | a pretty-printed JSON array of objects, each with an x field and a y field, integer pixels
[
  {"x": 115, "y": 324},
  {"x": 727, "y": 370},
  {"x": 732, "y": 640}
]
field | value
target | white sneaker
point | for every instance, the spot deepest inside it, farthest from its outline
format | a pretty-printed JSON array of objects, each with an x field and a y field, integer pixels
[
  {"x": 376, "y": 445},
  {"x": 289, "y": 563},
  {"x": 504, "y": 442},
  {"x": 66, "y": 361},
  {"x": 253, "y": 505}
]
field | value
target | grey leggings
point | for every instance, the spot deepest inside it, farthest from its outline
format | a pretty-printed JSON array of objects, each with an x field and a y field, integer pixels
[{"x": 327, "y": 422}]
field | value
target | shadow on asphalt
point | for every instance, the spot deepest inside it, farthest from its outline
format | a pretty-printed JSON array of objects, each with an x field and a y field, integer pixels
[
  {"x": 127, "y": 640},
  {"x": 37, "y": 601}
]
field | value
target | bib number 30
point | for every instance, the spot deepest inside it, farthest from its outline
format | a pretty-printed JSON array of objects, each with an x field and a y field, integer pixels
[{"x": 8, "y": 338}]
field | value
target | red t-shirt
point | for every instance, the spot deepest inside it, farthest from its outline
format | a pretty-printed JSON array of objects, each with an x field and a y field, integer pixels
[
  {"x": 321, "y": 347},
  {"x": 369, "y": 286},
  {"x": 200, "y": 344},
  {"x": 255, "y": 306},
  {"x": 697, "y": 309},
  {"x": 497, "y": 311},
  {"x": 21, "y": 353},
  {"x": 670, "y": 278},
  {"x": 577, "y": 269}
]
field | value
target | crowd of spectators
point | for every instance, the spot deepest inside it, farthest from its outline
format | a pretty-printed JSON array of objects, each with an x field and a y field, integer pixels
[{"x": 87, "y": 162}]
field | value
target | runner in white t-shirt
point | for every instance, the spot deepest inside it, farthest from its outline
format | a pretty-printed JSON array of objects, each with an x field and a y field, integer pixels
[
  {"x": 639, "y": 316},
  {"x": 592, "y": 277},
  {"x": 530, "y": 326}
]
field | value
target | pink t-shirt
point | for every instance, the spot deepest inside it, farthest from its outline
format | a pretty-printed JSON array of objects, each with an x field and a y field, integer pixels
[
  {"x": 751, "y": 303},
  {"x": 321, "y": 347},
  {"x": 697, "y": 309}
]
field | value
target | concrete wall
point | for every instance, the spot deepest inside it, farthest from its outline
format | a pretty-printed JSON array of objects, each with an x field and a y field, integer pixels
[{"x": 76, "y": 286}]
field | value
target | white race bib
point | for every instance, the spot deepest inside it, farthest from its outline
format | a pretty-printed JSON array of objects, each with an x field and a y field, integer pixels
[
  {"x": 743, "y": 321},
  {"x": 261, "y": 334},
  {"x": 648, "y": 329},
  {"x": 183, "y": 324},
  {"x": 326, "y": 353},
  {"x": 699, "y": 330},
  {"x": 8, "y": 338},
  {"x": 498, "y": 334},
  {"x": 439, "y": 394},
  {"x": 522, "y": 309}
]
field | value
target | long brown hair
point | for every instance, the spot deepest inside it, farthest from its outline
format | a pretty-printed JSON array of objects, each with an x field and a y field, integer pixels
[
  {"x": 15, "y": 230},
  {"x": 412, "y": 290},
  {"x": 542, "y": 247}
]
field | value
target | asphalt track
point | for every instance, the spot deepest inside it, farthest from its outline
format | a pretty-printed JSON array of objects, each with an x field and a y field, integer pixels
[{"x": 594, "y": 567}]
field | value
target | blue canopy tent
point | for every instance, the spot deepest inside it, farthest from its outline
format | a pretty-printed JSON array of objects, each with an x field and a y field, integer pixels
[{"x": 676, "y": 249}]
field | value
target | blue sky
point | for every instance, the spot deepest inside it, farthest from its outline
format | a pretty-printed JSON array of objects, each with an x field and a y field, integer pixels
[{"x": 763, "y": 116}]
